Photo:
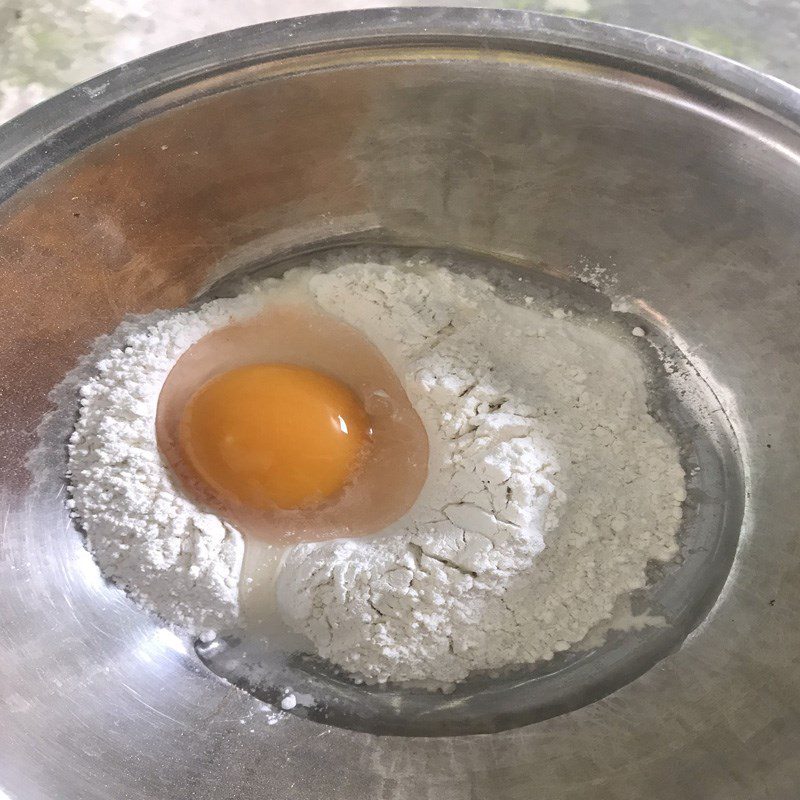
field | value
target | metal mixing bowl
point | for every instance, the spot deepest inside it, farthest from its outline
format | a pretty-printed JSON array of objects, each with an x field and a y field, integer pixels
[{"x": 547, "y": 142}]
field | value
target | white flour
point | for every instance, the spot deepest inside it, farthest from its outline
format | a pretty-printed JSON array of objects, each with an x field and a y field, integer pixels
[{"x": 550, "y": 485}]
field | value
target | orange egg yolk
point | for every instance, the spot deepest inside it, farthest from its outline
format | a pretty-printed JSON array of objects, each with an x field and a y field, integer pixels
[{"x": 269, "y": 435}]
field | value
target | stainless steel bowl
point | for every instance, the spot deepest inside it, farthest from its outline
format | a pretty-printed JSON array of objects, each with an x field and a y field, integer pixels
[{"x": 548, "y": 142}]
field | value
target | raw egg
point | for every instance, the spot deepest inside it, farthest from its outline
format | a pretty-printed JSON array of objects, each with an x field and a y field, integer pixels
[
  {"x": 274, "y": 435},
  {"x": 293, "y": 426}
]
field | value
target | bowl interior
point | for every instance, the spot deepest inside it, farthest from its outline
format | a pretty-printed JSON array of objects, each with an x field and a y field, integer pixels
[{"x": 648, "y": 624}]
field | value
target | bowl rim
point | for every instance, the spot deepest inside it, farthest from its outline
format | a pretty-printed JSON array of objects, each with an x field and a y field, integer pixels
[{"x": 52, "y": 131}]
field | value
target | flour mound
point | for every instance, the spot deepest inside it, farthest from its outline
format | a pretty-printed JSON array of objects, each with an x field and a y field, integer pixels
[
  {"x": 550, "y": 486},
  {"x": 171, "y": 556}
]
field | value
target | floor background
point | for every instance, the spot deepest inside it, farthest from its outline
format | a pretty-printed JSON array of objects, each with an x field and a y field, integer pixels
[{"x": 48, "y": 45}]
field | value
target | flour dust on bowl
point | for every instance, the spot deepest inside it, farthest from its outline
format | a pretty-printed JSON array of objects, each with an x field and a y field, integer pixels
[{"x": 532, "y": 154}]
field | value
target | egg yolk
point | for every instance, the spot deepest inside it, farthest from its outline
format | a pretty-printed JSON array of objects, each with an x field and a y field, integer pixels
[{"x": 268, "y": 435}]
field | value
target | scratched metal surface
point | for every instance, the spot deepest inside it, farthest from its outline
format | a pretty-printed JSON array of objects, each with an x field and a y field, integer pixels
[{"x": 523, "y": 136}]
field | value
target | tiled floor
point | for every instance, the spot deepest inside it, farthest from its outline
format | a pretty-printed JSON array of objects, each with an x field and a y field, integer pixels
[{"x": 48, "y": 45}]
